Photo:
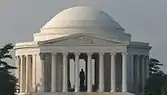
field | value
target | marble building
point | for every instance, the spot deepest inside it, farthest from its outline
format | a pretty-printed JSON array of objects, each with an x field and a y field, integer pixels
[{"x": 111, "y": 61}]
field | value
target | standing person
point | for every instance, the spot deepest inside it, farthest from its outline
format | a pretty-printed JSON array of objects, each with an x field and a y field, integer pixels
[{"x": 82, "y": 80}]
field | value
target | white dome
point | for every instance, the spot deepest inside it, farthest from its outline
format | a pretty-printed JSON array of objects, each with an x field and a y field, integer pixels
[
  {"x": 84, "y": 20},
  {"x": 78, "y": 17}
]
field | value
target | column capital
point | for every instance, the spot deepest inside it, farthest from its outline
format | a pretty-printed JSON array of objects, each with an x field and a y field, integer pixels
[
  {"x": 54, "y": 53},
  {"x": 34, "y": 54},
  {"x": 147, "y": 57},
  {"x": 142, "y": 56},
  {"x": 16, "y": 57},
  {"x": 42, "y": 56},
  {"x": 101, "y": 53},
  {"x": 137, "y": 55},
  {"x": 77, "y": 53},
  {"x": 124, "y": 53},
  {"x": 65, "y": 53},
  {"x": 131, "y": 54},
  {"x": 89, "y": 53},
  {"x": 112, "y": 53},
  {"x": 26, "y": 55}
]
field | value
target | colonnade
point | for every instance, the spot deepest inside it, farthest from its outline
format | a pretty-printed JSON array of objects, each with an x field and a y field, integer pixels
[
  {"x": 25, "y": 69},
  {"x": 139, "y": 72},
  {"x": 89, "y": 79}
]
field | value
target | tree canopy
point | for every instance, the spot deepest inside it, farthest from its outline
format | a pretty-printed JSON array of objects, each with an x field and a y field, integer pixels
[
  {"x": 5, "y": 54},
  {"x": 7, "y": 80},
  {"x": 157, "y": 80},
  {"x": 155, "y": 67},
  {"x": 156, "y": 85}
]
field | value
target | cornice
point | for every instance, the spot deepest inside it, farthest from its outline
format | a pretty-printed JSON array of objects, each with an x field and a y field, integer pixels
[
  {"x": 140, "y": 45},
  {"x": 26, "y": 45}
]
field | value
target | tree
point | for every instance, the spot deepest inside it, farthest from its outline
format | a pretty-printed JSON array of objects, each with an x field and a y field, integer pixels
[
  {"x": 154, "y": 67},
  {"x": 4, "y": 54},
  {"x": 7, "y": 80},
  {"x": 157, "y": 80},
  {"x": 156, "y": 85}
]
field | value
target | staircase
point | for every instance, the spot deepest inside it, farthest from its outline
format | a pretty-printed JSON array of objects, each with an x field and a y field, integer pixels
[{"x": 83, "y": 93}]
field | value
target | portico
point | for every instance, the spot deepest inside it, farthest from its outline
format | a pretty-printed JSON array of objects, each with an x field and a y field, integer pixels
[
  {"x": 111, "y": 61},
  {"x": 89, "y": 83}
]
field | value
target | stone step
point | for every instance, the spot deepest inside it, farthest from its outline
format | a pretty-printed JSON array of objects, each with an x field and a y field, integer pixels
[{"x": 83, "y": 93}]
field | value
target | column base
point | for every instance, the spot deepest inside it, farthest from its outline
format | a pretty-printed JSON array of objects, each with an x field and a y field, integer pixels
[
  {"x": 100, "y": 90},
  {"x": 76, "y": 91},
  {"x": 24, "y": 93},
  {"x": 112, "y": 91},
  {"x": 41, "y": 89}
]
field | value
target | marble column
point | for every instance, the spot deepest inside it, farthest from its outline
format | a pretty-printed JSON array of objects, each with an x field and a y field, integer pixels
[
  {"x": 86, "y": 70},
  {"x": 21, "y": 74},
  {"x": 68, "y": 71},
  {"x": 137, "y": 73},
  {"x": 101, "y": 72},
  {"x": 53, "y": 69},
  {"x": 65, "y": 81},
  {"x": 34, "y": 72},
  {"x": 96, "y": 75},
  {"x": 74, "y": 71},
  {"x": 124, "y": 72},
  {"x": 132, "y": 71},
  {"x": 17, "y": 66},
  {"x": 147, "y": 67},
  {"x": 143, "y": 73},
  {"x": 27, "y": 74},
  {"x": 89, "y": 82},
  {"x": 113, "y": 77},
  {"x": 17, "y": 71},
  {"x": 42, "y": 79},
  {"x": 77, "y": 72}
]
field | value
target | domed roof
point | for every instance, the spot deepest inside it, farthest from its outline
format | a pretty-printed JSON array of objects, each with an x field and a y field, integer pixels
[{"x": 81, "y": 16}]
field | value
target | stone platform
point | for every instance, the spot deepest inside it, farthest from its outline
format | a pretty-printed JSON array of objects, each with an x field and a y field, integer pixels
[{"x": 83, "y": 93}]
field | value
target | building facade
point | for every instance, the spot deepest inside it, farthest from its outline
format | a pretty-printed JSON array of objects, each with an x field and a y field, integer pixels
[{"x": 111, "y": 61}]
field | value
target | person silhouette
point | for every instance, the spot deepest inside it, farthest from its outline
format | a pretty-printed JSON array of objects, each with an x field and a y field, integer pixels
[{"x": 82, "y": 79}]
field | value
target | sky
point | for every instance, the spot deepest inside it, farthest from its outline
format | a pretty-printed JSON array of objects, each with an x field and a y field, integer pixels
[{"x": 145, "y": 20}]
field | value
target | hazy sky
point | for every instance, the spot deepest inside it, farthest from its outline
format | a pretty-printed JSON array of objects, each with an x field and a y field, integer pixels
[{"x": 146, "y": 20}]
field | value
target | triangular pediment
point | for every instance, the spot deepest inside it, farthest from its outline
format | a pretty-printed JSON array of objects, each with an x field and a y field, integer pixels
[{"x": 80, "y": 39}]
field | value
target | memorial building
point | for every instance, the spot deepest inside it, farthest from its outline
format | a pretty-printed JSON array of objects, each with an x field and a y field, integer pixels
[{"x": 82, "y": 49}]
